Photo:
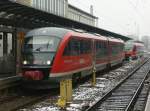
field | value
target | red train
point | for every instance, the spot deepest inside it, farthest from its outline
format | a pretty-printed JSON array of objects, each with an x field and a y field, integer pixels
[
  {"x": 134, "y": 49},
  {"x": 50, "y": 54}
]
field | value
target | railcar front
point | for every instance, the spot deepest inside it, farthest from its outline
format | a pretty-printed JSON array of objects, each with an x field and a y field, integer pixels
[
  {"x": 139, "y": 49},
  {"x": 128, "y": 50},
  {"x": 133, "y": 50},
  {"x": 39, "y": 51}
]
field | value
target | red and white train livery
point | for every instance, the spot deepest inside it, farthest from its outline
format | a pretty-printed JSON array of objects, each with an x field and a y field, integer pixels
[
  {"x": 50, "y": 54},
  {"x": 134, "y": 49}
]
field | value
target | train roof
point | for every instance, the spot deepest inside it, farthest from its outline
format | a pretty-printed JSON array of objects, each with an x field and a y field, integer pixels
[
  {"x": 112, "y": 39},
  {"x": 54, "y": 31},
  {"x": 138, "y": 44},
  {"x": 92, "y": 36},
  {"x": 61, "y": 32}
]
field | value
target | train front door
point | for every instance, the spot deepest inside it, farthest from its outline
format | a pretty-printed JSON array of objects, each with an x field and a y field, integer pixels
[{"x": 7, "y": 54}]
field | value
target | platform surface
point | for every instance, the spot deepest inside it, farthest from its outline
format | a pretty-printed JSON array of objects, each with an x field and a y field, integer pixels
[
  {"x": 147, "y": 108},
  {"x": 9, "y": 81},
  {"x": 6, "y": 75}
]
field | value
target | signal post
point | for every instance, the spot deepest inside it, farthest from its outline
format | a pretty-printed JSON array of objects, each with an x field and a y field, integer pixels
[
  {"x": 93, "y": 82},
  {"x": 65, "y": 93}
]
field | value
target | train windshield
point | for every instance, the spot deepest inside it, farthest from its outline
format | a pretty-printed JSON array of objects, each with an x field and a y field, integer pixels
[
  {"x": 40, "y": 49},
  {"x": 41, "y": 44}
]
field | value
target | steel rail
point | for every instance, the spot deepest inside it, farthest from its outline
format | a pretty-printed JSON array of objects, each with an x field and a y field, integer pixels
[
  {"x": 133, "y": 100},
  {"x": 101, "y": 100}
]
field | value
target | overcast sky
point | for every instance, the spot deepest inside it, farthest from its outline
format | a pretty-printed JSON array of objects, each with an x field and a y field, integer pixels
[{"x": 129, "y": 17}]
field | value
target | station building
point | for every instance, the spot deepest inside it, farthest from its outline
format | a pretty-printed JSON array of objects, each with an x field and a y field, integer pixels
[
  {"x": 16, "y": 20},
  {"x": 62, "y": 8},
  {"x": 11, "y": 39}
]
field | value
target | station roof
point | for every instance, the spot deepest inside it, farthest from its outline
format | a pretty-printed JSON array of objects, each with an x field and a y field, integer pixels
[
  {"x": 73, "y": 7},
  {"x": 21, "y": 16}
]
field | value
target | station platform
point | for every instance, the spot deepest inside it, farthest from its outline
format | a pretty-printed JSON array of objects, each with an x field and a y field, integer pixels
[
  {"x": 9, "y": 81},
  {"x": 6, "y": 75},
  {"x": 147, "y": 108}
]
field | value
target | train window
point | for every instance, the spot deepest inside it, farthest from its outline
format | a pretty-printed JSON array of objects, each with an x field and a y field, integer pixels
[
  {"x": 101, "y": 49},
  {"x": 67, "y": 50},
  {"x": 72, "y": 48},
  {"x": 98, "y": 53},
  {"x": 77, "y": 46},
  {"x": 122, "y": 47},
  {"x": 41, "y": 44},
  {"x": 105, "y": 49},
  {"x": 85, "y": 46},
  {"x": 114, "y": 49},
  {"x": 117, "y": 48}
]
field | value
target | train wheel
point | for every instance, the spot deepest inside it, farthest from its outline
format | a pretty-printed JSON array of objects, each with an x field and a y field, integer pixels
[
  {"x": 108, "y": 66},
  {"x": 121, "y": 63},
  {"x": 76, "y": 77}
]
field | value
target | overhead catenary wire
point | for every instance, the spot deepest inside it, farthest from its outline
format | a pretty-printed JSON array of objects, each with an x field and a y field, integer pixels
[
  {"x": 135, "y": 7},
  {"x": 108, "y": 19}
]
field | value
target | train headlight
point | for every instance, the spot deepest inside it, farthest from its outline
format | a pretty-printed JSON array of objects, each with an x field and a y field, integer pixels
[
  {"x": 48, "y": 62},
  {"x": 24, "y": 62}
]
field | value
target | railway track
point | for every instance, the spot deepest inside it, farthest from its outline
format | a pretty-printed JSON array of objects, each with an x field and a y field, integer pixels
[
  {"x": 13, "y": 96},
  {"x": 124, "y": 95},
  {"x": 18, "y": 101},
  {"x": 21, "y": 100},
  {"x": 84, "y": 94},
  {"x": 142, "y": 98},
  {"x": 8, "y": 88}
]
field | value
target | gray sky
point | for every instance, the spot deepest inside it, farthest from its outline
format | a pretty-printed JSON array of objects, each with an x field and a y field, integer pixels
[{"x": 129, "y": 17}]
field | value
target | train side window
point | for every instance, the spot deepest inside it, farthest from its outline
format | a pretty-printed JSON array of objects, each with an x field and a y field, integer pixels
[
  {"x": 72, "y": 48},
  {"x": 89, "y": 45},
  {"x": 82, "y": 47},
  {"x": 104, "y": 49},
  {"x": 101, "y": 49},
  {"x": 67, "y": 50},
  {"x": 114, "y": 50},
  {"x": 75, "y": 47},
  {"x": 121, "y": 47},
  {"x": 86, "y": 46}
]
